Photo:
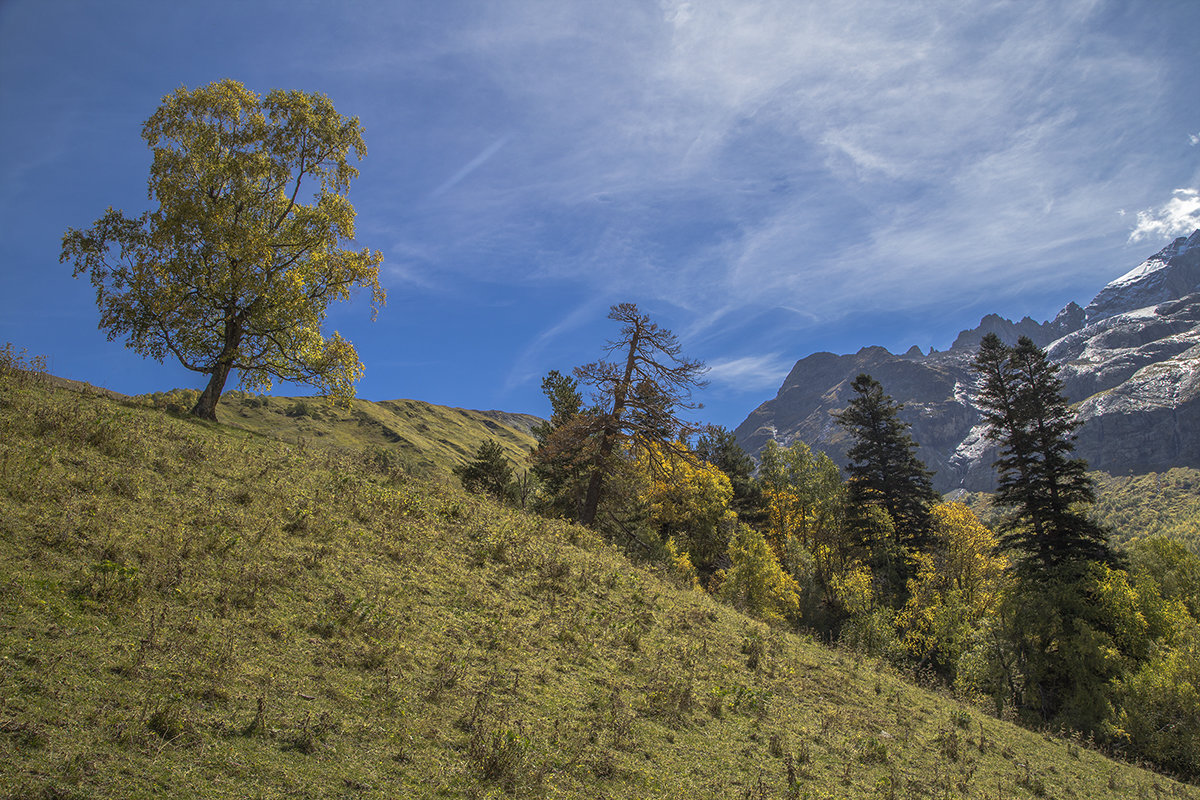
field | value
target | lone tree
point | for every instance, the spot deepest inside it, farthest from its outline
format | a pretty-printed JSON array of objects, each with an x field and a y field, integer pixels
[
  {"x": 1044, "y": 489},
  {"x": 884, "y": 469},
  {"x": 639, "y": 400},
  {"x": 490, "y": 471},
  {"x": 233, "y": 270}
]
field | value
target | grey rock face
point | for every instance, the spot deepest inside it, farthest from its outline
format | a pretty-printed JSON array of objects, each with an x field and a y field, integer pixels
[
  {"x": 1169, "y": 274},
  {"x": 1133, "y": 371}
]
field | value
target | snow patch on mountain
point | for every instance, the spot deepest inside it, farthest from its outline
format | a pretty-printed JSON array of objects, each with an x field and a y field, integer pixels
[{"x": 1172, "y": 272}]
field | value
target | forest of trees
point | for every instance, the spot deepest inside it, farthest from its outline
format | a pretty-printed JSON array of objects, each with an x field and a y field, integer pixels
[{"x": 1041, "y": 619}]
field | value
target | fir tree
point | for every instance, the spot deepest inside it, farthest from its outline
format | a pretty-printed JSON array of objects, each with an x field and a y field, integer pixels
[
  {"x": 565, "y": 449},
  {"x": 717, "y": 446},
  {"x": 1043, "y": 488},
  {"x": 883, "y": 466},
  {"x": 490, "y": 471}
]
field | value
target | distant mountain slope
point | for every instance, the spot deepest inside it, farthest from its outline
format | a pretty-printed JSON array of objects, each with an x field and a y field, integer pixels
[
  {"x": 1130, "y": 360},
  {"x": 1131, "y": 507}
]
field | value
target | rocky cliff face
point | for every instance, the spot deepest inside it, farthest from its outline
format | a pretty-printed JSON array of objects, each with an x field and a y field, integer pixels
[
  {"x": 1169, "y": 274},
  {"x": 1130, "y": 361}
]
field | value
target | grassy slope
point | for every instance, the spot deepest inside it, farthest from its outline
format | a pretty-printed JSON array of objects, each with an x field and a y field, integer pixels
[
  {"x": 426, "y": 438},
  {"x": 191, "y": 610},
  {"x": 1158, "y": 504},
  {"x": 1136, "y": 506}
]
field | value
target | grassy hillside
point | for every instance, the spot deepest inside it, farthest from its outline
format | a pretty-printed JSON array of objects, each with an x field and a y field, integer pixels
[
  {"x": 425, "y": 438},
  {"x": 194, "y": 610},
  {"x": 1158, "y": 504},
  {"x": 1136, "y": 506}
]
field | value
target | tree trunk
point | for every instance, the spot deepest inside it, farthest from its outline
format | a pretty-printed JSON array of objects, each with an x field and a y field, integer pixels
[
  {"x": 206, "y": 406},
  {"x": 591, "y": 501}
]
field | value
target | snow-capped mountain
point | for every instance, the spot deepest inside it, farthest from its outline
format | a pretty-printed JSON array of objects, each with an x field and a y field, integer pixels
[
  {"x": 1130, "y": 360},
  {"x": 1169, "y": 274}
]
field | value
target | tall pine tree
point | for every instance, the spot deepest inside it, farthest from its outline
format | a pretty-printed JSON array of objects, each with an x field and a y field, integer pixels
[
  {"x": 1044, "y": 490},
  {"x": 884, "y": 470}
]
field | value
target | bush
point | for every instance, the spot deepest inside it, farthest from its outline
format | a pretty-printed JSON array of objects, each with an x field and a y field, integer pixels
[
  {"x": 299, "y": 409},
  {"x": 176, "y": 401},
  {"x": 755, "y": 583},
  {"x": 489, "y": 472},
  {"x": 20, "y": 365},
  {"x": 1161, "y": 708}
]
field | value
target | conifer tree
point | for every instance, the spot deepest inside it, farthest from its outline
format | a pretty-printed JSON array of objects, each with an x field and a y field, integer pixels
[
  {"x": 1043, "y": 488},
  {"x": 565, "y": 403},
  {"x": 717, "y": 446},
  {"x": 884, "y": 469},
  {"x": 490, "y": 471},
  {"x": 566, "y": 446}
]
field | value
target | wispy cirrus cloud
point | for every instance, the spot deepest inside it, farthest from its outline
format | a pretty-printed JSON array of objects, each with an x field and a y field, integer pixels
[
  {"x": 475, "y": 163},
  {"x": 750, "y": 373},
  {"x": 927, "y": 122},
  {"x": 735, "y": 157}
]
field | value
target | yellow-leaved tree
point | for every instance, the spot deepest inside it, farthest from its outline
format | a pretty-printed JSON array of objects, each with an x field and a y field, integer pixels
[
  {"x": 956, "y": 585},
  {"x": 755, "y": 581},
  {"x": 689, "y": 502},
  {"x": 236, "y": 267}
]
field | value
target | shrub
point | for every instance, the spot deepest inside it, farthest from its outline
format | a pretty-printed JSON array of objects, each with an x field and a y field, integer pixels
[
  {"x": 176, "y": 401},
  {"x": 756, "y": 583},
  {"x": 1161, "y": 708}
]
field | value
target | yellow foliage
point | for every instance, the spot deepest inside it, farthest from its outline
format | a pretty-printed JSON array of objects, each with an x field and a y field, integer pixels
[
  {"x": 755, "y": 582},
  {"x": 682, "y": 491},
  {"x": 689, "y": 501},
  {"x": 955, "y": 586},
  {"x": 804, "y": 498},
  {"x": 682, "y": 564},
  {"x": 854, "y": 589}
]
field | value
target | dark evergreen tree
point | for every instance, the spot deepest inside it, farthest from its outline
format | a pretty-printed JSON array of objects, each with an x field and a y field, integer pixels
[
  {"x": 565, "y": 403},
  {"x": 490, "y": 471},
  {"x": 566, "y": 446},
  {"x": 717, "y": 446},
  {"x": 884, "y": 471},
  {"x": 1044, "y": 490},
  {"x": 1058, "y": 639}
]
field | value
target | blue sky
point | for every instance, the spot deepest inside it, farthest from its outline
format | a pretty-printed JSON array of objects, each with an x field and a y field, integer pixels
[{"x": 767, "y": 179}]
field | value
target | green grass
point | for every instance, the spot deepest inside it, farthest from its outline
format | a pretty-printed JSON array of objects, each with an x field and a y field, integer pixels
[
  {"x": 199, "y": 610},
  {"x": 426, "y": 439},
  {"x": 1157, "y": 504},
  {"x": 1133, "y": 507}
]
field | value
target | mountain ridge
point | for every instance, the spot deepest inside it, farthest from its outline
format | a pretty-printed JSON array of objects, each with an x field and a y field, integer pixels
[{"x": 1128, "y": 360}]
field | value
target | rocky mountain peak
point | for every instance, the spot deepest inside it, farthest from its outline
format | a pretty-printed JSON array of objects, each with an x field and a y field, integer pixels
[
  {"x": 1169, "y": 274},
  {"x": 1130, "y": 361},
  {"x": 1009, "y": 332}
]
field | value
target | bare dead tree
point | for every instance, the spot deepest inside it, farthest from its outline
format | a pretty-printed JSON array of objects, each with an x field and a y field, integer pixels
[{"x": 640, "y": 399}]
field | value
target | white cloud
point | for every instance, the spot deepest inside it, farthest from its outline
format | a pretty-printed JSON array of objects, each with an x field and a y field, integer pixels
[
  {"x": 750, "y": 373},
  {"x": 1178, "y": 216},
  {"x": 1194, "y": 138},
  {"x": 724, "y": 156}
]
